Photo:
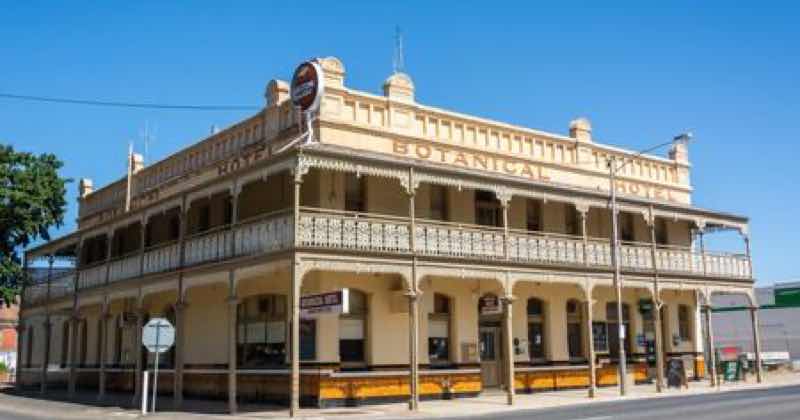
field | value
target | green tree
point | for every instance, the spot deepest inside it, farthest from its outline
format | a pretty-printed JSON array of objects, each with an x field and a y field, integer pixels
[{"x": 31, "y": 201}]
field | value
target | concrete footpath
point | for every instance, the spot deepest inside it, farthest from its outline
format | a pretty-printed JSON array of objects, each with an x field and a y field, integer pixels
[{"x": 85, "y": 406}]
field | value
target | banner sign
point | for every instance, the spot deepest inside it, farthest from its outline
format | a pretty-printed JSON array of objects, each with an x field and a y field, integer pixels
[{"x": 331, "y": 302}]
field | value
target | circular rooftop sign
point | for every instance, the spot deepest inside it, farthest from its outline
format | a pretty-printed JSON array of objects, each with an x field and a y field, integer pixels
[{"x": 307, "y": 85}]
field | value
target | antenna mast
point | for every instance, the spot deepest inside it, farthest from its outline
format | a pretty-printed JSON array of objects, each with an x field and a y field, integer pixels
[{"x": 398, "y": 61}]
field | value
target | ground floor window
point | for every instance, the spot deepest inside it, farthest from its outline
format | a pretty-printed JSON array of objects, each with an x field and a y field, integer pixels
[
  {"x": 352, "y": 331},
  {"x": 261, "y": 331},
  {"x": 574, "y": 329},
  {"x": 308, "y": 339},
  {"x": 536, "y": 337},
  {"x": 439, "y": 331},
  {"x": 600, "y": 336}
]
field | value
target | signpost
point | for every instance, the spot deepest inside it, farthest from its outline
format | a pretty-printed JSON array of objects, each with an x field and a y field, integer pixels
[{"x": 158, "y": 335}]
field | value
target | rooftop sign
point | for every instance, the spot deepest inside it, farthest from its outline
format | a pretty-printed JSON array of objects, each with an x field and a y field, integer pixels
[{"x": 307, "y": 86}]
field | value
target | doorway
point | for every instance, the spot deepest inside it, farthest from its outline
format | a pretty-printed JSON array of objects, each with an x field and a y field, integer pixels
[{"x": 491, "y": 354}]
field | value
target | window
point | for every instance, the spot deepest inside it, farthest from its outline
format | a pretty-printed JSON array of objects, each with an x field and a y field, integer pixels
[
  {"x": 100, "y": 339},
  {"x": 614, "y": 328},
  {"x": 352, "y": 331},
  {"x": 533, "y": 214},
  {"x": 118, "y": 331},
  {"x": 626, "y": 227},
  {"x": 571, "y": 222},
  {"x": 536, "y": 337},
  {"x": 600, "y": 336},
  {"x": 661, "y": 232},
  {"x": 174, "y": 227},
  {"x": 684, "y": 322},
  {"x": 261, "y": 331},
  {"x": 438, "y": 202},
  {"x": 228, "y": 207},
  {"x": 308, "y": 339},
  {"x": 84, "y": 330},
  {"x": 29, "y": 347},
  {"x": 487, "y": 209},
  {"x": 204, "y": 219},
  {"x": 574, "y": 329},
  {"x": 439, "y": 331},
  {"x": 64, "y": 344},
  {"x": 354, "y": 193}
]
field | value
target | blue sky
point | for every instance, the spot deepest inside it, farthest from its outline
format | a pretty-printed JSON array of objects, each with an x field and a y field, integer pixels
[{"x": 642, "y": 73}]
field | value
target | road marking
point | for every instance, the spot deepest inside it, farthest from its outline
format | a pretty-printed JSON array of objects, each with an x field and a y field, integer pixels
[{"x": 595, "y": 418}]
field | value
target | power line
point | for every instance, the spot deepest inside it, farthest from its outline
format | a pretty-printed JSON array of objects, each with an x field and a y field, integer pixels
[{"x": 141, "y": 105}]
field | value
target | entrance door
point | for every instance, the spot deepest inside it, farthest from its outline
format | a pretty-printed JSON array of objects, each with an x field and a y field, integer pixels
[{"x": 491, "y": 356}]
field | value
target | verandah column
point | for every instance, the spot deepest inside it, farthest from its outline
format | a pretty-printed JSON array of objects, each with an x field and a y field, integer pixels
[
  {"x": 180, "y": 349},
  {"x": 233, "y": 304},
  {"x": 180, "y": 308},
  {"x": 508, "y": 325},
  {"x": 294, "y": 390},
  {"x": 413, "y": 300},
  {"x": 48, "y": 324},
  {"x": 710, "y": 343},
  {"x": 658, "y": 339},
  {"x": 756, "y": 341},
  {"x": 101, "y": 357},
  {"x": 138, "y": 353},
  {"x": 588, "y": 308},
  {"x": 508, "y": 299},
  {"x": 73, "y": 354}
]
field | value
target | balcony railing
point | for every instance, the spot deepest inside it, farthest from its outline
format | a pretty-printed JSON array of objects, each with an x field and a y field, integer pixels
[
  {"x": 61, "y": 286},
  {"x": 361, "y": 232},
  {"x": 377, "y": 233}
]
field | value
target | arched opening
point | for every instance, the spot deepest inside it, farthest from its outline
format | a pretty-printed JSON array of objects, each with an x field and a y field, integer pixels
[
  {"x": 536, "y": 331},
  {"x": 439, "y": 327},
  {"x": 352, "y": 332},
  {"x": 575, "y": 330},
  {"x": 261, "y": 331}
]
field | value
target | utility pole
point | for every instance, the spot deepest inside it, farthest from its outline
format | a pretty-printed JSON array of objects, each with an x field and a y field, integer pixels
[
  {"x": 612, "y": 176},
  {"x": 612, "y": 179}
]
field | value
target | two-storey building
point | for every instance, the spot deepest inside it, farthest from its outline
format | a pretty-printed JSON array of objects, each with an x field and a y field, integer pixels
[{"x": 473, "y": 254}]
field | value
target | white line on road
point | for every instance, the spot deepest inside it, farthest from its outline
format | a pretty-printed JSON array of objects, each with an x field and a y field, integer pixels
[{"x": 595, "y": 418}]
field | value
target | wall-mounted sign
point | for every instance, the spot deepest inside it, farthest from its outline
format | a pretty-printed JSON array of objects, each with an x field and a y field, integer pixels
[
  {"x": 490, "y": 305},
  {"x": 307, "y": 86},
  {"x": 337, "y": 302}
]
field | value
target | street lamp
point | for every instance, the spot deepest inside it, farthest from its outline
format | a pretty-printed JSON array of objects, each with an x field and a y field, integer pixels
[{"x": 612, "y": 178}]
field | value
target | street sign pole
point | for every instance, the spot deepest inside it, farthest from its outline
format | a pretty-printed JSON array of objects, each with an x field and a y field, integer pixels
[
  {"x": 156, "y": 343},
  {"x": 155, "y": 369},
  {"x": 144, "y": 393}
]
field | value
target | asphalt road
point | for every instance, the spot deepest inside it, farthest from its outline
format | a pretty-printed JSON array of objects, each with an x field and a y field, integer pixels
[{"x": 779, "y": 403}]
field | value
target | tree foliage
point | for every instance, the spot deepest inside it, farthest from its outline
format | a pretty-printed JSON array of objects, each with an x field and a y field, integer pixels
[{"x": 31, "y": 201}]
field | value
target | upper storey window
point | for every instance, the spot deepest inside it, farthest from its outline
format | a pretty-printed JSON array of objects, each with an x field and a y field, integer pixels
[
  {"x": 626, "y": 232},
  {"x": 487, "y": 209},
  {"x": 438, "y": 201},
  {"x": 533, "y": 214},
  {"x": 354, "y": 193}
]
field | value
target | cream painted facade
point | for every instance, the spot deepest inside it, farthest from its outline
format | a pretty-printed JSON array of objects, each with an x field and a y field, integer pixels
[{"x": 429, "y": 215}]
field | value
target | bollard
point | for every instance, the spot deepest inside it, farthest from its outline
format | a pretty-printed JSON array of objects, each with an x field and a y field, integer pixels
[{"x": 144, "y": 393}]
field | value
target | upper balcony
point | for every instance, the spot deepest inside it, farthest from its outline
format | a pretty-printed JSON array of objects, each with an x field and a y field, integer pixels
[{"x": 369, "y": 217}]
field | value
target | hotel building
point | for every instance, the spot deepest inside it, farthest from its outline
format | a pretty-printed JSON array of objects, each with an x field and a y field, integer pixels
[{"x": 474, "y": 254}]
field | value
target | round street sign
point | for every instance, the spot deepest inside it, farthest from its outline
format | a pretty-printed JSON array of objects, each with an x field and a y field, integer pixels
[
  {"x": 307, "y": 86},
  {"x": 158, "y": 335}
]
